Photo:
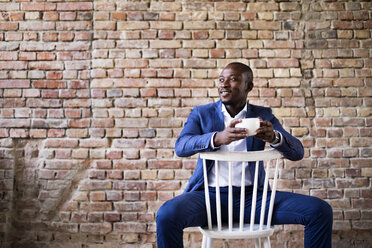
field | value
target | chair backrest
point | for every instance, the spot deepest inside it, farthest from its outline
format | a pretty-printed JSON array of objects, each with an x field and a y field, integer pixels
[{"x": 255, "y": 156}]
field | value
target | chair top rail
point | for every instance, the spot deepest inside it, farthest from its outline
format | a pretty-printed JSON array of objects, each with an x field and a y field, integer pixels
[{"x": 264, "y": 155}]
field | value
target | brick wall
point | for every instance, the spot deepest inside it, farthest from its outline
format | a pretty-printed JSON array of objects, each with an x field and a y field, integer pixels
[{"x": 94, "y": 94}]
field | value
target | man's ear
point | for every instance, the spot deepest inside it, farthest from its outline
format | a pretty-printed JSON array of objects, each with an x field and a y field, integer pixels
[{"x": 249, "y": 86}]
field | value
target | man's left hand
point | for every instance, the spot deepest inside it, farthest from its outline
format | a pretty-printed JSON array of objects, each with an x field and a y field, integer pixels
[{"x": 265, "y": 132}]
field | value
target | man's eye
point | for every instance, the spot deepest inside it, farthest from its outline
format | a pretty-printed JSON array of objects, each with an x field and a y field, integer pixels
[
  {"x": 233, "y": 79},
  {"x": 221, "y": 80}
]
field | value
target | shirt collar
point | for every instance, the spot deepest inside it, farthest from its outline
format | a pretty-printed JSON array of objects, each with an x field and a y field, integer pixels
[{"x": 241, "y": 114}]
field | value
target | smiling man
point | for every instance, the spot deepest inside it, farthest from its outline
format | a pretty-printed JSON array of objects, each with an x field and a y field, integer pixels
[{"x": 212, "y": 127}]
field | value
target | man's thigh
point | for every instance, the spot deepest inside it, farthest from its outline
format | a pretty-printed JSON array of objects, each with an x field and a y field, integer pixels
[
  {"x": 289, "y": 208},
  {"x": 292, "y": 208}
]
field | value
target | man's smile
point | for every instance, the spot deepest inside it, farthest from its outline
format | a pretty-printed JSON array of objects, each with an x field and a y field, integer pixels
[{"x": 225, "y": 92}]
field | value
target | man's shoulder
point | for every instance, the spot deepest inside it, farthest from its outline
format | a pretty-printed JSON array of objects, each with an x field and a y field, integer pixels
[
  {"x": 207, "y": 107},
  {"x": 261, "y": 110}
]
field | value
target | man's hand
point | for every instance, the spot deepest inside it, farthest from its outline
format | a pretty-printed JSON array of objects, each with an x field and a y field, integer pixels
[
  {"x": 265, "y": 132},
  {"x": 230, "y": 134}
]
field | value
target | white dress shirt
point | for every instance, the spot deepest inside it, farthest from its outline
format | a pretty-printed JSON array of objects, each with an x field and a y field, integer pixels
[{"x": 236, "y": 146}]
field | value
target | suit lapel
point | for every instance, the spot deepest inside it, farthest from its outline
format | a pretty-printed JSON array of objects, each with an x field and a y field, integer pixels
[{"x": 219, "y": 123}]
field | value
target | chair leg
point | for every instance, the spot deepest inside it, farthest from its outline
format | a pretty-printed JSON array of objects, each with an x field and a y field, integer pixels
[
  {"x": 204, "y": 242},
  {"x": 257, "y": 243},
  {"x": 207, "y": 242},
  {"x": 267, "y": 242}
]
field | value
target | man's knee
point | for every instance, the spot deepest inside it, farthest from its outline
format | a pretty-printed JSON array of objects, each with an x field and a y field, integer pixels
[
  {"x": 166, "y": 216},
  {"x": 323, "y": 211}
]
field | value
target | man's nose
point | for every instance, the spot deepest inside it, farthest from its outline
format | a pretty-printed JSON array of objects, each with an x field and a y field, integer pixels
[{"x": 225, "y": 83}]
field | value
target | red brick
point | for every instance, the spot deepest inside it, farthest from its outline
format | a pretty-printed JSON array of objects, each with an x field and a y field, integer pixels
[
  {"x": 347, "y": 63},
  {"x": 113, "y": 154},
  {"x": 230, "y": 6},
  {"x": 120, "y": 16},
  {"x": 6, "y": 26},
  {"x": 129, "y": 185},
  {"x": 93, "y": 143},
  {"x": 66, "y": 227},
  {"x": 49, "y": 84},
  {"x": 347, "y": 25},
  {"x": 130, "y": 102},
  {"x": 14, "y": 123},
  {"x": 76, "y": 103},
  {"x": 75, "y": 46},
  {"x": 132, "y": 6},
  {"x": 148, "y": 92},
  {"x": 265, "y": 25},
  {"x": 55, "y": 113},
  {"x": 131, "y": 154},
  {"x": 38, "y": 6},
  {"x": 115, "y": 174},
  {"x": 276, "y": 63},
  {"x": 56, "y": 133},
  {"x": 37, "y": 26},
  {"x": 294, "y": 102},
  {"x": 76, "y": 25},
  {"x": 200, "y": 35},
  {"x": 16, "y": 16},
  {"x": 164, "y": 164},
  {"x": 163, "y": 185},
  {"x": 100, "y": 228},
  {"x": 14, "y": 83},
  {"x": 166, "y": 16},
  {"x": 46, "y": 56},
  {"x": 74, "y": 6},
  {"x": 130, "y": 227},
  {"x": 66, "y": 37},
  {"x": 67, "y": 93},
  {"x": 12, "y": 65},
  {"x": 50, "y": 36},
  {"x": 130, "y": 164},
  {"x": 47, "y": 65},
  {"x": 18, "y": 133},
  {"x": 78, "y": 123},
  {"x": 50, "y": 16},
  {"x": 112, "y": 217},
  {"x": 190, "y": 83},
  {"x": 62, "y": 154},
  {"x": 54, "y": 75},
  {"x": 348, "y": 82},
  {"x": 104, "y": 25},
  {"x": 293, "y": 82},
  {"x": 4, "y": 132}
]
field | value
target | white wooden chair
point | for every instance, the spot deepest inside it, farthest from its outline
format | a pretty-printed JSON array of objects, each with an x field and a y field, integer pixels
[{"x": 240, "y": 230}]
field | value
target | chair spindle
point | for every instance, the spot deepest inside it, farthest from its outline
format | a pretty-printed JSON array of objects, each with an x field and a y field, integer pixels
[
  {"x": 254, "y": 197},
  {"x": 206, "y": 191}
]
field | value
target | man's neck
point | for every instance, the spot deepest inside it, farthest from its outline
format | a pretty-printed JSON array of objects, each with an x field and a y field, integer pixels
[{"x": 234, "y": 110}]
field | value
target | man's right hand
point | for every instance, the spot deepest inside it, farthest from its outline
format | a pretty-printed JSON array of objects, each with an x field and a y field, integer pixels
[{"x": 230, "y": 134}]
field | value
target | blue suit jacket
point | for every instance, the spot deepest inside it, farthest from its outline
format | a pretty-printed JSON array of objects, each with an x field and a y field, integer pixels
[{"x": 205, "y": 120}]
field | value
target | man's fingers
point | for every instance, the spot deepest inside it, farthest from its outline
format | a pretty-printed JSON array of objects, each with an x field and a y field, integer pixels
[
  {"x": 239, "y": 130},
  {"x": 266, "y": 124},
  {"x": 234, "y": 122}
]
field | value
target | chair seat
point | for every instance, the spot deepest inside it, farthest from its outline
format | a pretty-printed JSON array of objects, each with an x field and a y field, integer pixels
[{"x": 236, "y": 233}]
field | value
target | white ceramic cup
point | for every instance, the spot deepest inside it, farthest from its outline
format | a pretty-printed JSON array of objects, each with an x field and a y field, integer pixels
[{"x": 252, "y": 124}]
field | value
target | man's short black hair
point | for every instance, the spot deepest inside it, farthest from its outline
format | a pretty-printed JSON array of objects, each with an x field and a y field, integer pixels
[{"x": 246, "y": 69}]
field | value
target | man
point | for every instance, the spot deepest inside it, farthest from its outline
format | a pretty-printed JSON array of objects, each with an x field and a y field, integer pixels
[{"x": 212, "y": 127}]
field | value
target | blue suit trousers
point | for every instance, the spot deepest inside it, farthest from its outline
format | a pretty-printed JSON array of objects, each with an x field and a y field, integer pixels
[{"x": 188, "y": 210}]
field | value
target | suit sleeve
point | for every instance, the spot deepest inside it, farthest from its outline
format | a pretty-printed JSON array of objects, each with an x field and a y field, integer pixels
[
  {"x": 291, "y": 147},
  {"x": 192, "y": 140}
]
